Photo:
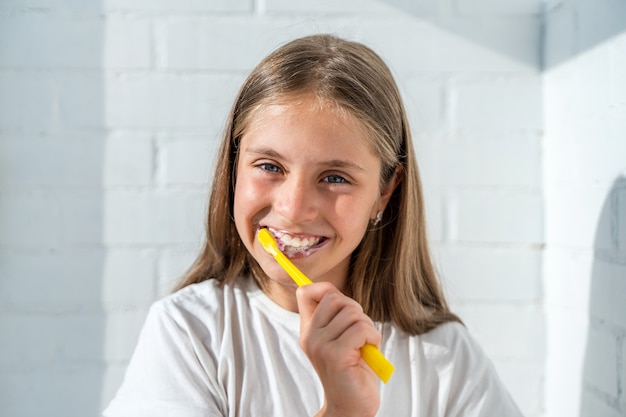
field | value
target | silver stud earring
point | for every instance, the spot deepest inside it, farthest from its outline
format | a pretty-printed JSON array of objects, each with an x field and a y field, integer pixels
[{"x": 379, "y": 218}]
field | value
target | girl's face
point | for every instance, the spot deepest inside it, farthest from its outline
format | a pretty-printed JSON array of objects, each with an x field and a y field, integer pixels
[{"x": 307, "y": 174}]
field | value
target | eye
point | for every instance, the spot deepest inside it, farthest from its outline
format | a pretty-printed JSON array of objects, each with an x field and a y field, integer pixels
[
  {"x": 335, "y": 179},
  {"x": 266, "y": 166}
]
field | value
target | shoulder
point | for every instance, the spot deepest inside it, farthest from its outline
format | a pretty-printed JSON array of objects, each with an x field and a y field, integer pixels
[
  {"x": 205, "y": 297},
  {"x": 450, "y": 339},
  {"x": 201, "y": 307},
  {"x": 449, "y": 354},
  {"x": 470, "y": 373},
  {"x": 448, "y": 348}
]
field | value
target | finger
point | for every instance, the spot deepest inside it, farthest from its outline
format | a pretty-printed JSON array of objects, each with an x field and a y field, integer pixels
[
  {"x": 359, "y": 334},
  {"x": 332, "y": 304},
  {"x": 308, "y": 298},
  {"x": 344, "y": 351},
  {"x": 349, "y": 315}
]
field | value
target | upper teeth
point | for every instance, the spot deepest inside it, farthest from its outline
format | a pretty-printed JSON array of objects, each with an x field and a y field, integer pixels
[
  {"x": 295, "y": 241},
  {"x": 299, "y": 242}
]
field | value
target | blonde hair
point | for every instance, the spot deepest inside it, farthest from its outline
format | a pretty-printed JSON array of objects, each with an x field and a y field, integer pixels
[{"x": 392, "y": 275}]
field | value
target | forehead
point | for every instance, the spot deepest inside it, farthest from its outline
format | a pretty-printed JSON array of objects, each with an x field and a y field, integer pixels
[{"x": 296, "y": 111}]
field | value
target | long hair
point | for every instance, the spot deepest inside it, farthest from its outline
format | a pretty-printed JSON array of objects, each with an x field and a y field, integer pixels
[{"x": 391, "y": 272}]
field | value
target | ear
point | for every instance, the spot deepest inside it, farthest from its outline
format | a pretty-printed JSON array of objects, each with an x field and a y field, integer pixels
[{"x": 386, "y": 194}]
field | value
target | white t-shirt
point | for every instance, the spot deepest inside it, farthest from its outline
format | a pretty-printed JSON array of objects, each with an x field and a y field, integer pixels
[{"x": 231, "y": 351}]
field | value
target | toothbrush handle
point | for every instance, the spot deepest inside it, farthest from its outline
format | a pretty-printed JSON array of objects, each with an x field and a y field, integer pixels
[
  {"x": 370, "y": 354},
  {"x": 292, "y": 270},
  {"x": 377, "y": 361}
]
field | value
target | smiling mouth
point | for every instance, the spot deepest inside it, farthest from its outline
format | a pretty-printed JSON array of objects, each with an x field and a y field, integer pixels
[{"x": 295, "y": 246}]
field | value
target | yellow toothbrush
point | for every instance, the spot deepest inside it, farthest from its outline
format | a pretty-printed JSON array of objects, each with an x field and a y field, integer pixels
[{"x": 370, "y": 353}]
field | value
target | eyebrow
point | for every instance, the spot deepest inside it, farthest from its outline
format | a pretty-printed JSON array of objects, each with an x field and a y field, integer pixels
[{"x": 333, "y": 163}]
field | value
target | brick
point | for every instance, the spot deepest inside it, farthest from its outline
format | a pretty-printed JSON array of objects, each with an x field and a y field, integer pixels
[
  {"x": 434, "y": 215},
  {"x": 187, "y": 160},
  {"x": 128, "y": 43},
  {"x": 567, "y": 148},
  {"x": 80, "y": 159},
  {"x": 577, "y": 110},
  {"x": 415, "y": 7},
  {"x": 608, "y": 292},
  {"x": 171, "y": 6},
  {"x": 26, "y": 100},
  {"x": 622, "y": 372},
  {"x": 560, "y": 35},
  {"x": 173, "y": 263},
  {"x": 33, "y": 349},
  {"x": 46, "y": 281},
  {"x": 525, "y": 381},
  {"x": 59, "y": 392},
  {"x": 153, "y": 218},
  {"x": 494, "y": 7},
  {"x": 451, "y": 53},
  {"x": 128, "y": 278},
  {"x": 517, "y": 38},
  {"x": 566, "y": 341},
  {"x": 618, "y": 69},
  {"x": 82, "y": 216},
  {"x": 89, "y": 329},
  {"x": 149, "y": 6},
  {"x": 600, "y": 367},
  {"x": 51, "y": 42},
  {"x": 599, "y": 21},
  {"x": 52, "y": 340},
  {"x": 506, "y": 332},
  {"x": 148, "y": 101},
  {"x": 20, "y": 4},
  {"x": 200, "y": 42},
  {"x": 594, "y": 405},
  {"x": 573, "y": 95},
  {"x": 618, "y": 215},
  {"x": 578, "y": 222},
  {"x": 510, "y": 104},
  {"x": 30, "y": 218},
  {"x": 51, "y": 218},
  {"x": 424, "y": 101},
  {"x": 513, "y": 216},
  {"x": 428, "y": 154},
  {"x": 122, "y": 329},
  {"x": 567, "y": 277},
  {"x": 491, "y": 274},
  {"x": 112, "y": 378},
  {"x": 50, "y": 5},
  {"x": 128, "y": 160},
  {"x": 58, "y": 41},
  {"x": 82, "y": 101},
  {"x": 506, "y": 160},
  {"x": 326, "y": 7},
  {"x": 27, "y": 161}
]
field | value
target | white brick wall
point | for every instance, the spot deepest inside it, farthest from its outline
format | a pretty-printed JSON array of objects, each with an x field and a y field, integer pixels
[
  {"x": 584, "y": 182},
  {"x": 110, "y": 114}
]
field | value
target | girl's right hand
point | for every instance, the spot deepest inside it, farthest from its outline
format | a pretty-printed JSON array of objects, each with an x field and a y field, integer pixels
[{"x": 333, "y": 327}]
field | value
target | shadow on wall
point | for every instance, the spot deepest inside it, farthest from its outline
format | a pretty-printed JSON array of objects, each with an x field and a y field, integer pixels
[
  {"x": 604, "y": 371},
  {"x": 575, "y": 26},
  {"x": 517, "y": 23},
  {"x": 561, "y": 28},
  {"x": 51, "y": 176}
]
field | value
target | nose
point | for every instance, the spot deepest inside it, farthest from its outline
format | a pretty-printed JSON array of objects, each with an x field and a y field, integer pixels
[{"x": 296, "y": 200}]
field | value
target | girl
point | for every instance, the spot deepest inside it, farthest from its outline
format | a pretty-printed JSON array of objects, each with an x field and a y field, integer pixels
[{"x": 318, "y": 150}]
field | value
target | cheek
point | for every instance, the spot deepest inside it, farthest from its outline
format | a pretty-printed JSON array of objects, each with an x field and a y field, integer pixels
[
  {"x": 353, "y": 214},
  {"x": 250, "y": 196}
]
